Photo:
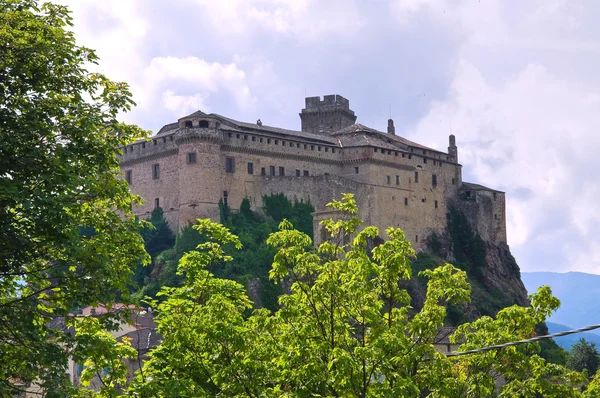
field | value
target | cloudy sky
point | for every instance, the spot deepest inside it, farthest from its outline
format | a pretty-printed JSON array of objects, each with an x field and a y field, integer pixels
[{"x": 516, "y": 81}]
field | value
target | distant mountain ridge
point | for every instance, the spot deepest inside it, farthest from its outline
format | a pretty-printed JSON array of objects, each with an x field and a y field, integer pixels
[
  {"x": 579, "y": 294},
  {"x": 567, "y": 342}
]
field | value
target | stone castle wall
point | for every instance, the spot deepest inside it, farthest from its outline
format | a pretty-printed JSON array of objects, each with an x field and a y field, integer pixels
[{"x": 405, "y": 186}]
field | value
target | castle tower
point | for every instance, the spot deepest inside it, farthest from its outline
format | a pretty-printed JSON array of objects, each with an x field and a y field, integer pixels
[
  {"x": 199, "y": 139},
  {"x": 452, "y": 149},
  {"x": 331, "y": 114},
  {"x": 391, "y": 129}
]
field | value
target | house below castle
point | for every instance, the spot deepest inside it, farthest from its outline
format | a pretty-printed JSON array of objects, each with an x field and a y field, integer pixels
[{"x": 190, "y": 165}]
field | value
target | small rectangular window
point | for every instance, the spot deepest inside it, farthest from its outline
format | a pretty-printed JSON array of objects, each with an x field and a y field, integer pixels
[
  {"x": 191, "y": 158},
  {"x": 164, "y": 139},
  {"x": 397, "y": 180},
  {"x": 154, "y": 142},
  {"x": 410, "y": 156},
  {"x": 375, "y": 150},
  {"x": 297, "y": 173},
  {"x": 434, "y": 180},
  {"x": 143, "y": 145},
  {"x": 229, "y": 165},
  {"x": 305, "y": 173},
  {"x": 395, "y": 153},
  {"x": 253, "y": 138},
  {"x": 268, "y": 140},
  {"x": 229, "y": 135},
  {"x": 245, "y": 138},
  {"x": 128, "y": 175},
  {"x": 326, "y": 149},
  {"x": 260, "y": 139},
  {"x": 312, "y": 147},
  {"x": 436, "y": 204},
  {"x": 237, "y": 136},
  {"x": 494, "y": 195},
  {"x": 281, "y": 171},
  {"x": 356, "y": 170},
  {"x": 225, "y": 198},
  {"x": 417, "y": 238},
  {"x": 405, "y": 201},
  {"x": 453, "y": 181},
  {"x": 282, "y": 143},
  {"x": 250, "y": 168},
  {"x": 263, "y": 171},
  {"x": 272, "y": 170},
  {"x": 156, "y": 203},
  {"x": 388, "y": 179},
  {"x": 403, "y": 155},
  {"x": 332, "y": 150},
  {"x": 304, "y": 146},
  {"x": 495, "y": 216},
  {"x": 319, "y": 149},
  {"x": 155, "y": 171},
  {"x": 276, "y": 142},
  {"x": 425, "y": 160},
  {"x": 416, "y": 177}
]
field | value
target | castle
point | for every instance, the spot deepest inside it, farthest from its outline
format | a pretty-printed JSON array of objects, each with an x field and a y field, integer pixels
[{"x": 190, "y": 165}]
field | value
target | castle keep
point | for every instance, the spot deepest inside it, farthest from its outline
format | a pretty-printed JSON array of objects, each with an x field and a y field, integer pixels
[{"x": 190, "y": 165}]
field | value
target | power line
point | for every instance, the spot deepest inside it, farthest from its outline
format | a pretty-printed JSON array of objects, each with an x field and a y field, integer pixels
[{"x": 531, "y": 340}]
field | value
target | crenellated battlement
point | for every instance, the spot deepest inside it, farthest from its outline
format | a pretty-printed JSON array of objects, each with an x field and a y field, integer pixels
[
  {"x": 330, "y": 114},
  {"x": 334, "y": 100}
]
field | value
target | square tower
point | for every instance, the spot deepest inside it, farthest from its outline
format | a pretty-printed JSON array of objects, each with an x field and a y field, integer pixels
[{"x": 331, "y": 114}]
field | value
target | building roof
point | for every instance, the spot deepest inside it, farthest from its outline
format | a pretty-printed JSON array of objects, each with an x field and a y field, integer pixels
[
  {"x": 277, "y": 130},
  {"x": 476, "y": 187},
  {"x": 443, "y": 335},
  {"x": 143, "y": 340},
  {"x": 380, "y": 135},
  {"x": 350, "y": 136}
]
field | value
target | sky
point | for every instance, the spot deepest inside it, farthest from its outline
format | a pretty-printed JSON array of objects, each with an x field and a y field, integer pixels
[{"x": 516, "y": 81}]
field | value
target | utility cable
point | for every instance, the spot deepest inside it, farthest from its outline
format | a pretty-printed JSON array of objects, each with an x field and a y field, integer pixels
[{"x": 531, "y": 340}]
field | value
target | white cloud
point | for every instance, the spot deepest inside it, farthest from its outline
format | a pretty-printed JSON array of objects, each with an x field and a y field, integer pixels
[
  {"x": 306, "y": 20},
  {"x": 183, "y": 104},
  {"x": 197, "y": 76},
  {"x": 533, "y": 132}
]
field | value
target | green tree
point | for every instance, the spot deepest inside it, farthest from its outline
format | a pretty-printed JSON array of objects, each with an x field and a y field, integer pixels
[
  {"x": 584, "y": 355},
  {"x": 158, "y": 237},
  {"x": 345, "y": 328},
  {"x": 68, "y": 237}
]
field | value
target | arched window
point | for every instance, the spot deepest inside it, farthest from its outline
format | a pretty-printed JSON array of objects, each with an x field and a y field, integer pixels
[
  {"x": 203, "y": 123},
  {"x": 188, "y": 123}
]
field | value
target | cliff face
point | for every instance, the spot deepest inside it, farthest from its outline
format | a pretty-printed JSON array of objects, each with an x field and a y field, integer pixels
[
  {"x": 503, "y": 273},
  {"x": 493, "y": 273}
]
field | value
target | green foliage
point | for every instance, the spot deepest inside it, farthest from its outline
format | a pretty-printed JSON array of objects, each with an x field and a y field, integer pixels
[
  {"x": 467, "y": 246},
  {"x": 158, "y": 237},
  {"x": 252, "y": 267},
  {"x": 344, "y": 329},
  {"x": 101, "y": 354},
  {"x": 278, "y": 207},
  {"x": 68, "y": 236},
  {"x": 434, "y": 244},
  {"x": 584, "y": 355}
]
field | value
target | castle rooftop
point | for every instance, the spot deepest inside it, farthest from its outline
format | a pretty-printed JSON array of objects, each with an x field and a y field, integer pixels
[{"x": 355, "y": 135}]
